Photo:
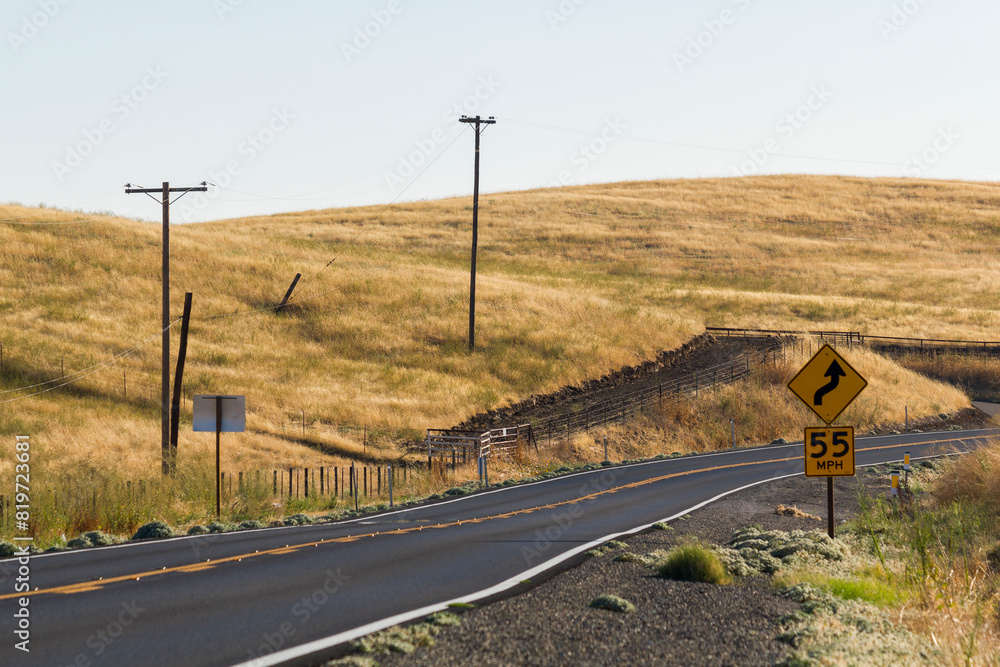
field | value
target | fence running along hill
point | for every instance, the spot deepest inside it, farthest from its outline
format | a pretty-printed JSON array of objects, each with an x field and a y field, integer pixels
[
  {"x": 583, "y": 415},
  {"x": 888, "y": 344}
]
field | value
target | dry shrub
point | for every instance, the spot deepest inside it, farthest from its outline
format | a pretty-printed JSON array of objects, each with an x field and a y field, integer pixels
[
  {"x": 974, "y": 477},
  {"x": 678, "y": 410},
  {"x": 521, "y": 449},
  {"x": 977, "y": 376},
  {"x": 439, "y": 471},
  {"x": 795, "y": 512}
]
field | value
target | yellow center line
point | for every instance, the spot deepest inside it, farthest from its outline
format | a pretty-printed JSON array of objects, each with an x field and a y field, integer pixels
[{"x": 88, "y": 586}]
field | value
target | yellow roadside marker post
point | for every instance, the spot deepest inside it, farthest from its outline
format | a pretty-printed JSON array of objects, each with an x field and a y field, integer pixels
[{"x": 906, "y": 469}]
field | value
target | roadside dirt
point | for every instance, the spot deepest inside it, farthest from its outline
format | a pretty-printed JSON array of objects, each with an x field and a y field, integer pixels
[{"x": 700, "y": 354}]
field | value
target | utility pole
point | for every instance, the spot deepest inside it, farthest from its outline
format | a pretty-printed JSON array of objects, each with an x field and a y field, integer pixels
[
  {"x": 479, "y": 121},
  {"x": 165, "y": 321}
]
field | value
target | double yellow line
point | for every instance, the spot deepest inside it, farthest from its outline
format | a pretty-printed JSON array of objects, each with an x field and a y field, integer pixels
[{"x": 97, "y": 584}]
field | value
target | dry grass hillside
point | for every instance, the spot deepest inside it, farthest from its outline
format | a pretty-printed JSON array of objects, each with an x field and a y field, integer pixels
[{"x": 573, "y": 283}]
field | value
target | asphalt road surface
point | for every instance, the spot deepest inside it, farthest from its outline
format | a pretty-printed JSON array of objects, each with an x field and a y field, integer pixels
[{"x": 290, "y": 595}]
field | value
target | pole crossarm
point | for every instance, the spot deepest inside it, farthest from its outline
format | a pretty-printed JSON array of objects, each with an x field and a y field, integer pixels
[
  {"x": 478, "y": 120},
  {"x": 129, "y": 190}
]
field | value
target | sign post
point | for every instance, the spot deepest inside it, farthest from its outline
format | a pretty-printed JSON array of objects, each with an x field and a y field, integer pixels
[
  {"x": 219, "y": 413},
  {"x": 828, "y": 384}
]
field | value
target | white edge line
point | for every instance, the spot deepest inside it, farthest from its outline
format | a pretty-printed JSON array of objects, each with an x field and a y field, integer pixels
[
  {"x": 375, "y": 626},
  {"x": 334, "y": 640},
  {"x": 983, "y": 433}
]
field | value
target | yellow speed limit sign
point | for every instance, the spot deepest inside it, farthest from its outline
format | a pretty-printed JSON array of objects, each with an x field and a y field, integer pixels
[{"x": 829, "y": 451}]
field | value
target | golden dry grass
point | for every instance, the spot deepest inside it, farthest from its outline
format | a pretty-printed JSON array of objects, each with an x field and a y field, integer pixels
[
  {"x": 761, "y": 409},
  {"x": 979, "y": 377},
  {"x": 573, "y": 283}
]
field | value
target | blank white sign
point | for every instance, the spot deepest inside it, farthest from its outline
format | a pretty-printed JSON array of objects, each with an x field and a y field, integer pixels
[{"x": 234, "y": 413}]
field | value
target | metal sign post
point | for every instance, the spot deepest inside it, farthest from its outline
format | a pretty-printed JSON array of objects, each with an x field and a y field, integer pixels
[
  {"x": 828, "y": 384},
  {"x": 219, "y": 413}
]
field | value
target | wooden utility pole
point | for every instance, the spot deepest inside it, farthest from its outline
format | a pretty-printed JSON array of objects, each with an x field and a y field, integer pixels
[
  {"x": 165, "y": 310},
  {"x": 478, "y": 121}
]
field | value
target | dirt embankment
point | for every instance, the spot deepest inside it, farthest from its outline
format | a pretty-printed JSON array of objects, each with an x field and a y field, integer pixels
[{"x": 699, "y": 355}]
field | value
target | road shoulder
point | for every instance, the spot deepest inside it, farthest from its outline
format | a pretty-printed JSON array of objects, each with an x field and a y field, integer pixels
[{"x": 674, "y": 622}]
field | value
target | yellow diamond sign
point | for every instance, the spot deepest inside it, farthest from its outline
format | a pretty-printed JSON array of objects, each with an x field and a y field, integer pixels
[{"x": 827, "y": 384}]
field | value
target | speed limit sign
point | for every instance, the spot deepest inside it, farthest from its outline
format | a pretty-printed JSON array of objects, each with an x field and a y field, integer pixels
[{"x": 829, "y": 451}]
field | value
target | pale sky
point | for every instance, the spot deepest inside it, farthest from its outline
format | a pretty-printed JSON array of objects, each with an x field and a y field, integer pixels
[{"x": 316, "y": 104}]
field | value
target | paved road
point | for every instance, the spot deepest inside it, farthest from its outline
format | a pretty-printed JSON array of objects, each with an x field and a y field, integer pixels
[
  {"x": 992, "y": 409},
  {"x": 283, "y": 596}
]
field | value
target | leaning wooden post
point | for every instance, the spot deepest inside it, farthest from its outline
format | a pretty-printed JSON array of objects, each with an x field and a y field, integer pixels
[
  {"x": 288, "y": 294},
  {"x": 170, "y": 465}
]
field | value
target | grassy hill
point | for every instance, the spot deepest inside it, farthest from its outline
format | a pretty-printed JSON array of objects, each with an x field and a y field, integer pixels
[{"x": 573, "y": 282}]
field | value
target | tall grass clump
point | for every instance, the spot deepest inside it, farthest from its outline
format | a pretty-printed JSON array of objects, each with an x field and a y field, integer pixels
[
  {"x": 977, "y": 376},
  {"x": 972, "y": 479},
  {"x": 692, "y": 562}
]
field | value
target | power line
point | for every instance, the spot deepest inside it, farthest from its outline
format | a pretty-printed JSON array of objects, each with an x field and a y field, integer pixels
[
  {"x": 79, "y": 375},
  {"x": 93, "y": 217},
  {"x": 307, "y": 296},
  {"x": 37, "y": 215},
  {"x": 739, "y": 151},
  {"x": 266, "y": 198},
  {"x": 390, "y": 204},
  {"x": 262, "y": 309}
]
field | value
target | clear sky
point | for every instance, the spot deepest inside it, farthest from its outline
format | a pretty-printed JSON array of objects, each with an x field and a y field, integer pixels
[{"x": 322, "y": 103}]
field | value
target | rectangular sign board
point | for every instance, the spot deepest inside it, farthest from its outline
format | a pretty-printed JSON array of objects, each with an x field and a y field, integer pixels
[
  {"x": 234, "y": 413},
  {"x": 829, "y": 451}
]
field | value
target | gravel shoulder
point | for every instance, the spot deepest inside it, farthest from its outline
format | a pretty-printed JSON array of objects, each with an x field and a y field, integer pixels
[{"x": 674, "y": 623}]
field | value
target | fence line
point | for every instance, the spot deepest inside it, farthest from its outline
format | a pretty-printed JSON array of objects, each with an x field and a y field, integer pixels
[
  {"x": 884, "y": 343},
  {"x": 584, "y": 416},
  {"x": 283, "y": 484}
]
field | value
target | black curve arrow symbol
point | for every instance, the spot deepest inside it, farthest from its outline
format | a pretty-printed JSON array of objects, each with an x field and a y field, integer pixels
[{"x": 835, "y": 372}]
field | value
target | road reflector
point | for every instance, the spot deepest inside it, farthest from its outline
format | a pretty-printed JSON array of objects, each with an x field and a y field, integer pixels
[
  {"x": 829, "y": 451},
  {"x": 906, "y": 461},
  {"x": 895, "y": 483},
  {"x": 827, "y": 384}
]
